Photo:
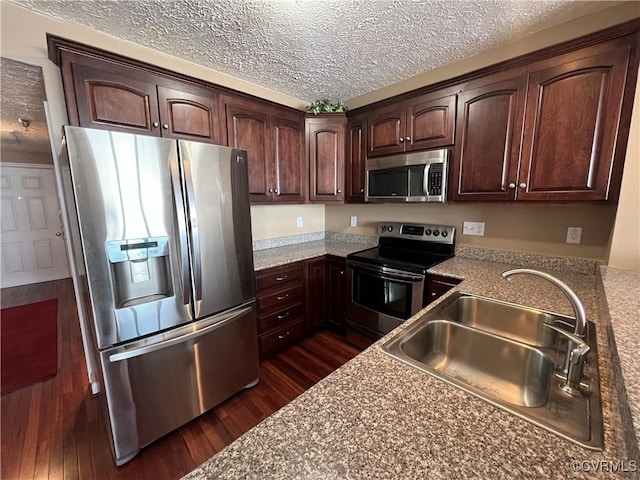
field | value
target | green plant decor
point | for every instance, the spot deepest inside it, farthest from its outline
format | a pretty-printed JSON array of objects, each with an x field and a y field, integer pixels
[{"x": 324, "y": 106}]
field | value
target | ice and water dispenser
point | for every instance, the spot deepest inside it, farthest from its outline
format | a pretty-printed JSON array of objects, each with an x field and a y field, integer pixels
[{"x": 140, "y": 270}]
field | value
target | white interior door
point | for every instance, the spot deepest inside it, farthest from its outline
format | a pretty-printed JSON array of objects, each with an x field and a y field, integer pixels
[{"x": 33, "y": 248}]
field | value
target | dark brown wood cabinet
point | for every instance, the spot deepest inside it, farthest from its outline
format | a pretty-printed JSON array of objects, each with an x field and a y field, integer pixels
[
  {"x": 488, "y": 140},
  {"x": 337, "y": 292},
  {"x": 438, "y": 285},
  {"x": 109, "y": 96},
  {"x": 281, "y": 302},
  {"x": 424, "y": 122},
  {"x": 356, "y": 156},
  {"x": 571, "y": 126},
  {"x": 325, "y": 139},
  {"x": 274, "y": 141},
  {"x": 550, "y": 135},
  {"x": 316, "y": 292}
]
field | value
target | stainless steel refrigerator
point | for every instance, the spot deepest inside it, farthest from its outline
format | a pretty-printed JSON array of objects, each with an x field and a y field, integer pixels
[{"x": 160, "y": 233}]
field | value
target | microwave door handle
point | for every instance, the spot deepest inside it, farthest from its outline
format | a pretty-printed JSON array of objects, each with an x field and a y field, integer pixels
[
  {"x": 425, "y": 180},
  {"x": 182, "y": 229},
  {"x": 193, "y": 220}
]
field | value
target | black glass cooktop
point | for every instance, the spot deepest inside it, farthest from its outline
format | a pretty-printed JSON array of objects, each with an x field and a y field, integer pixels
[{"x": 415, "y": 261}]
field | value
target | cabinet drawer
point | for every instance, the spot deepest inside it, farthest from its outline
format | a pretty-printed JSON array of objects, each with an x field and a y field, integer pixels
[
  {"x": 278, "y": 276},
  {"x": 280, "y": 317},
  {"x": 281, "y": 297},
  {"x": 280, "y": 338}
]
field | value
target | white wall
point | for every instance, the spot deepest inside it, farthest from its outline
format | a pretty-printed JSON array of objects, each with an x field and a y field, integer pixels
[
  {"x": 281, "y": 221},
  {"x": 625, "y": 239}
]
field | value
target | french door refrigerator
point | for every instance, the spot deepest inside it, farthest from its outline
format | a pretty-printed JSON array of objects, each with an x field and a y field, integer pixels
[{"x": 160, "y": 233}]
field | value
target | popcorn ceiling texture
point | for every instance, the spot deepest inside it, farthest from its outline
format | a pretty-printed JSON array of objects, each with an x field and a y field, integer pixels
[
  {"x": 23, "y": 97},
  {"x": 335, "y": 49}
]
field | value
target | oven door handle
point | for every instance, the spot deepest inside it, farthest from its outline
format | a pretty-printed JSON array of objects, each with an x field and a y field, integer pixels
[{"x": 386, "y": 272}]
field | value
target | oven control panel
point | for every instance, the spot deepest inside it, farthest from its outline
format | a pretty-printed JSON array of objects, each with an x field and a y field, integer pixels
[{"x": 417, "y": 231}]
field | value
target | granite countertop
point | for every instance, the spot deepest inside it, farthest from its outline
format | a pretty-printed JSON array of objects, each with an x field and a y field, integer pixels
[
  {"x": 273, "y": 257},
  {"x": 376, "y": 417}
]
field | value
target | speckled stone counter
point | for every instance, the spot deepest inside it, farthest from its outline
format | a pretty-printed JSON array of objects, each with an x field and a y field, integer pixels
[
  {"x": 273, "y": 257},
  {"x": 376, "y": 417},
  {"x": 622, "y": 292}
]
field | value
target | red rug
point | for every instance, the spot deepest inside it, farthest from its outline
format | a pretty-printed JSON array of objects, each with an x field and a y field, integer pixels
[{"x": 28, "y": 344}]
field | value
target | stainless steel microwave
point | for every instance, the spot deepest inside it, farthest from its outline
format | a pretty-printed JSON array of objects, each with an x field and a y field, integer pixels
[{"x": 413, "y": 177}]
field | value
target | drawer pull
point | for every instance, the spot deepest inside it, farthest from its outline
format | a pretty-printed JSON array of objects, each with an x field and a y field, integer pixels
[
  {"x": 279, "y": 279},
  {"x": 280, "y": 317},
  {"x": 282, "y": 297},
  {"x": 283, "y": 336}
]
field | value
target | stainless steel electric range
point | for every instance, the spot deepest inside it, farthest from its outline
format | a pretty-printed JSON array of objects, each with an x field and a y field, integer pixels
[{"x": 388, "y": 283}]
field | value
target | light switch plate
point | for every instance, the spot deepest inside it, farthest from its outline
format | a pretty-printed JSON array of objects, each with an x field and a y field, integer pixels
[
  {"x": 354, "y": 221},
  {"x": 473, "y": 228},
  {"x": 299, "y": 222}
]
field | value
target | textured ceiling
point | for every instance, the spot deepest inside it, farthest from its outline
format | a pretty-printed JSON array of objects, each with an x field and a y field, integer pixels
[
  {"x": 315, "y": 49},
  {"x": 22, "y": 92}
]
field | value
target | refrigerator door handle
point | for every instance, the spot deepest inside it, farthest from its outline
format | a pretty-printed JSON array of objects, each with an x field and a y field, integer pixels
[
  {"x": 193, "y": 218},
  {"x": 126, "y": 355},
  {"x": 182, "y": 230}
]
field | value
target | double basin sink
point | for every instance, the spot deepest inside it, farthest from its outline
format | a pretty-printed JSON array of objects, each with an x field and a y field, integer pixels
[{"x": 507, "y": 355}]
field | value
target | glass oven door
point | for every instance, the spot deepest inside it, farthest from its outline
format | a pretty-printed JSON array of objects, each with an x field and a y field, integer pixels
[{"x": 389, "y": 292}]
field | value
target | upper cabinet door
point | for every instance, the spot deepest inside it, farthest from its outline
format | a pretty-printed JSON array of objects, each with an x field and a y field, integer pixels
[
  {"x": 386, "y": 131},
  {"x": 248, "y": 129},
  {"x": 430, "y": 123},
  {"x": 326, "y": 146},
  {"x": 113, "y": 101},
  {"x": 289, "y": 159},
  {"x": 488, "y": 140},
  {"x": 356, "y": 146},
  {"x": 571, "y": 128},
  {"x": 189, "y": 116}
]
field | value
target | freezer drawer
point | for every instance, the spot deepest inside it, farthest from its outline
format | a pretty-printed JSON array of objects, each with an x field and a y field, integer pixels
[{"x": 156, "y": 385}]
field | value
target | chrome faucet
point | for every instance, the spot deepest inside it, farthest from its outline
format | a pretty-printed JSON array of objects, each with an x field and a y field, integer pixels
[{"x": 577, "y": 348}]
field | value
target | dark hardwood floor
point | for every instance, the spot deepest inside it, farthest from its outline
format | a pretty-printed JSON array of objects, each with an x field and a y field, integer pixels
[{"x": 52, "y": 429}]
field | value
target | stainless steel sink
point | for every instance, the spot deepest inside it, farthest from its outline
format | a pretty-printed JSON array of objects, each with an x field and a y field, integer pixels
[
  {"x": 522, "y": 324},
  {"x": 503, "y": 354},
  {"x": 510, "y": 371}
]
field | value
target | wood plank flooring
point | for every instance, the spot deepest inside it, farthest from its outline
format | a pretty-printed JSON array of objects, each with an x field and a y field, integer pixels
[{"x": 53, "y": 429}]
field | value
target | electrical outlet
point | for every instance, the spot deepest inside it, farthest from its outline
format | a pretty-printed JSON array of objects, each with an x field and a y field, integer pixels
[
  {"x": 473, "y": 228},
  {"x": 354, "y": 221},
  {"x": 574, "y": 234},
  {"x": 299, "y": 222}
]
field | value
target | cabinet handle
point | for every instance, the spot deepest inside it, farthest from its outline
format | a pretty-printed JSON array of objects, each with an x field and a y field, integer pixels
[
  {"x": 401, "y": 139},
  {"x": 282, "y": 297},
  {"x": 523, "y": 185},
  {"x": 275, "y": 190},
  {"x": 408, "y": 139},
  {"x": 279, "y": 279},
  {"x": 362, "y": 190},
  {"x": 155, "y": 124},
  {"x": 339, "y": 191},
  {"x": 165, "y": 126},
  {"x": 271, "y": 190},
  {"x": 283, "y": 336},
  {"x": 280, "y": 317},
  {"x": 512, "y": 185},
  {"x": 341, "y": 272},
  {"x": 433, "y": 294}
]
